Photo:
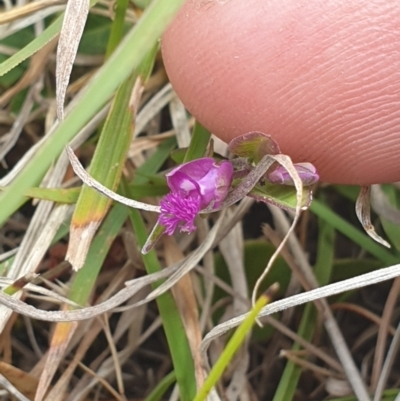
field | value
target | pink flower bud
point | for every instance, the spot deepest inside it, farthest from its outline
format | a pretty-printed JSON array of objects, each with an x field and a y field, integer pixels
[
  {"x": 307, "y": 172},
  {"x": 194, "y": 186}
]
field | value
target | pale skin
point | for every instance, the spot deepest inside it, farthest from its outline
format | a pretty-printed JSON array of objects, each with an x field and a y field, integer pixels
[{"x": 321, "y": 77}]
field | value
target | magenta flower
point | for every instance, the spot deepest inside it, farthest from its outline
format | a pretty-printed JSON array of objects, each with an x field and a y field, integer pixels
[
  {"x": 307, "y": 172},
  {"x": 194, "y": 186}
]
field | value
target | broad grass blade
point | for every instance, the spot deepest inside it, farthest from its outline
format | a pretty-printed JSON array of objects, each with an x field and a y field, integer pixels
[{"x": 107, "y": 163}]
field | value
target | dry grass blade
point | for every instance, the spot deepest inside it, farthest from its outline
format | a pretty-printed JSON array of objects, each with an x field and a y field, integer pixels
[
  {"x": 86, "y": 313},
  {"x": 153, "y": 107},
  {"x": 12, "y": 389},
  {"x": 59, "y": 343},
  {"x": 34, "y": 245},
  {"x": 91, "y": 182},
  {"x": 363, "y": 211},
  {"x": 10, "y": 139},
  {"x": 27, "y": 9},
  {"x": 330, "y": 323},
  {"x": 70, "y": 36},
  {"x": 77, "y": 141},
  {"x": 363, "y": 280},
  {"x": 60, "y": 387},
  {"x": 382, "y": 206},
  {"x": 286, "y": 162},
  {"x": 180, "y": 122},
  {"x": 189, "y": 263},
  {"x": 23, "y": 382},
  {"x": 390, "y": 359},
  {"x": 383, "y": 330}
]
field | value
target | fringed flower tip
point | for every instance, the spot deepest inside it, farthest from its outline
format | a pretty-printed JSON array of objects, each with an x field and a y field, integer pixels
[{"x": 176, "y": 209}]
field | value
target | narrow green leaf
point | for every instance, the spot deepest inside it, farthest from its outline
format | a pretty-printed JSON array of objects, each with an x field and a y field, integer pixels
[
  {"x": 229, "y": 351},
  {"x": 172, "y": 323},
  {"x": 107, "y": 163},
  {"x": 161, "y": 388},
  {"x": 86, "y": 277},
  {"x": 198, "y": 144},
  {"x": 45, "y": 37},
  {"x": 357, "y": 236},
  {"x": 59, "y": 195},
  {"x": 70, "y": 195},
  {"x": 117, "y": 28}
]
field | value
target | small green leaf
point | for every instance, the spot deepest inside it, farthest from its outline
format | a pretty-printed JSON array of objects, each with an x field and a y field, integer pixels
[
  {"x": 156, "y": 233},
  {"x": 282, "y": 196},
  {"x": 254, "y": 146}
]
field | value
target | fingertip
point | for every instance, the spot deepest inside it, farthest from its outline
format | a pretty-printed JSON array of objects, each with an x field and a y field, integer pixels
[{"x": 323, "y": 78}]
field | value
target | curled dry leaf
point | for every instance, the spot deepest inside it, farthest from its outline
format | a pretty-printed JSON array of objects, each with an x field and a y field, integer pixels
[
  {"x": 363, "y": 211},
  {"x": 70, "y": 36},
  {"x": 91, "y": 182},
  {"x": 381, "y": 205}
]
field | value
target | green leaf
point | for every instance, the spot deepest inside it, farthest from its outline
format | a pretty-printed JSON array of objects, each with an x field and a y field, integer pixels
[
  {"x": 117, "y": 28},
  {"x": 359, "y": 237},
  {"x": 283, "y": 196},
  {"x": 231, "y": 348},
  {"x": 36, "y": 44},
  {"x": 198, "y": 144},
  {"x": 107, "y": 163}
]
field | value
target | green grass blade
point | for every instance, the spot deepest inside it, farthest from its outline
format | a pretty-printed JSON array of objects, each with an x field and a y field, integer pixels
[
  {"x": 48, "y": 34},
  {"x": 341, "y": 225},
  {"x": 161, "y": 387},
  {"x": 85, "y": 279},
  {"x": 117, "y": 27},
  {"x": 291, "y": 375},
  {"x": 229, "y": 351},
  {"x": 198, "y": 144},
  {"x": 107, "y": 164},
  {"x": 106, "y": 167},
  {"x": 126, "y": 58},
  {"x": 71, "y": 195},
  {"x": 172, "y": 323}
]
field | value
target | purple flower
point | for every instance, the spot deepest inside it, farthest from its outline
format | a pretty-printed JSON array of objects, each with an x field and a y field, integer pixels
[
  {"x": 194, "y": 186},
  {"x": 307, "y": 172}
]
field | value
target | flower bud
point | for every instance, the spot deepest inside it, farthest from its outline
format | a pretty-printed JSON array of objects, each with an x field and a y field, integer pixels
[{"x": 307, "y": 173}]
